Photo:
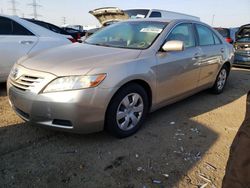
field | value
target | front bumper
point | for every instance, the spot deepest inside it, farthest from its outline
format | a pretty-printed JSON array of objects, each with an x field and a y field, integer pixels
[{"x": 79, "y": 111}]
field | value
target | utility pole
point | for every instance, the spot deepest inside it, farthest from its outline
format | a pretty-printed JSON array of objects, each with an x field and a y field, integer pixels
[
  {"x": 213, "y": 20},
  {"x": 13, "y": 5},
  {"x": 35, "y": 6},
  {"x": 64, "y": 20}
]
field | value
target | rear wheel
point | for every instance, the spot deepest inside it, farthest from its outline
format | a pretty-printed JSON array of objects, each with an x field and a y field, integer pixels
[
  {"x": 221, "y": 80},
  {"x": 127, "y": 111}
]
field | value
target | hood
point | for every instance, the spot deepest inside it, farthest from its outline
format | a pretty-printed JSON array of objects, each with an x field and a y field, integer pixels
[
  {"x": 108, "y": 15},
  {"x": 243, "y": 32},
  {"x": 76, "y": 59}
]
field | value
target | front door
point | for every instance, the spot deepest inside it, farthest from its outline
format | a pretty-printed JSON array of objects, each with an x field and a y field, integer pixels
[{"x": 178, "y": 72}]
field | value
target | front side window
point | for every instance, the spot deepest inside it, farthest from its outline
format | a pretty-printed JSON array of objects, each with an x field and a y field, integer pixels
[
  {"x": 205, "y": 35},
  {"x": 183, "y": 32},
  {"x": 155, "y": 14},
  {"x": 5, "y": 26},
  {"x": 133, "y": 35}
]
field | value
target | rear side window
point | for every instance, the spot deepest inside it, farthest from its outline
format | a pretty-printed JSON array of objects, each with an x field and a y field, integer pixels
[
  {"x": 183, "y": 32},
  {"x": 19, "y": 30},
  {"x": 5, "y": 26},
  {"x": 205, "y": 35},
  {"x": 216, "y": 39},
  {"x": 10, "y": 27},
  {"x": 155, "y": 14}
]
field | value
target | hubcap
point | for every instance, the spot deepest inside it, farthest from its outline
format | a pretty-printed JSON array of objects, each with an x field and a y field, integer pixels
[
  {"x": 129, "y": 111},
  {"x": 222, "y": 79}
]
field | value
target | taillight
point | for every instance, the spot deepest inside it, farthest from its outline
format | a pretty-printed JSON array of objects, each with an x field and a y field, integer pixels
[
  {"x": 72, "y": 40},
  {"x": 229, "y": 40},
  {"x": 78, "y": 35}
]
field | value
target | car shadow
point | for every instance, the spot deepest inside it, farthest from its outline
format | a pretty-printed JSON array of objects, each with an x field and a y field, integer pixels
[
  {"x": 3, "y": 91},
  {"x": 170, "y": 143}
]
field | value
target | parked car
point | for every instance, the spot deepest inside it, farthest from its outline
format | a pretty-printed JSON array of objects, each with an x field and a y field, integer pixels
[
  {"x": 118, "y": 75},
  {"x": 233, "y": 31},
  {"x": 73, "y": 37},
  {"x": 109, "y": 15},
  {"x": 242, "y": 46},
  {"x": 157, "y": 13},
  {"x": 74, "y": 32},
  {"x": 19, "y": 37},
  {"x": 226, "y": 33},
  {"x": 106, "y": 16}
]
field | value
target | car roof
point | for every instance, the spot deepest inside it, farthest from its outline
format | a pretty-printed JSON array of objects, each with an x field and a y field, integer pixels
[
  {"x": 34, "y": 28},
  {"x": 165, "y": 20}
]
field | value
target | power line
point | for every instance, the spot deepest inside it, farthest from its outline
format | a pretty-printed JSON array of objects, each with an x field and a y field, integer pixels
[{"x": 35, "y": 5}]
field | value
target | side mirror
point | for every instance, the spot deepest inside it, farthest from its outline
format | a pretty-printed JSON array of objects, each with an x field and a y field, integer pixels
[{"x": 173, "y": 46}]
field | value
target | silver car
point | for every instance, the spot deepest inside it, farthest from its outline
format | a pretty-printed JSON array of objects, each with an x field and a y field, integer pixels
[{"x": 118, "y": 75}]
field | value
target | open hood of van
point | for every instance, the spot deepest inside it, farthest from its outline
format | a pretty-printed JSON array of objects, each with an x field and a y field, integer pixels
[
  {"x": 243, "y": 32},
  {"x": 108, "y": 15}
]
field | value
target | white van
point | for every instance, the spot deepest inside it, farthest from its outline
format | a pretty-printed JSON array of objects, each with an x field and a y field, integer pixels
[{"x": 156, "y": 13}]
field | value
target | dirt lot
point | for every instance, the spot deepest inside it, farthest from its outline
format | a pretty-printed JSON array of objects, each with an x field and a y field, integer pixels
[{"x": 182, "y": 145}]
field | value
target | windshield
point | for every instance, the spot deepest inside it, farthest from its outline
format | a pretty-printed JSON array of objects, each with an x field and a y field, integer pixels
[
  {"x": 137, "y": 13},
  {"x": 133, "y": 35}
]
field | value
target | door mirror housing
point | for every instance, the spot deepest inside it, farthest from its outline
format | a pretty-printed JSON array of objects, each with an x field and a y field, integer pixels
[{"x": 173, "y": 46}]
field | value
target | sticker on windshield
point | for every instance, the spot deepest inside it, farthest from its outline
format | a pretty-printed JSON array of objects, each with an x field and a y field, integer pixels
[{"x": 151, "y": 30}]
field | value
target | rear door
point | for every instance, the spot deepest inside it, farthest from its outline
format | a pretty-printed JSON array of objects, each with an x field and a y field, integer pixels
[
  {"x": 15, "y": 42},
  {"x": 213, "y": 50}
]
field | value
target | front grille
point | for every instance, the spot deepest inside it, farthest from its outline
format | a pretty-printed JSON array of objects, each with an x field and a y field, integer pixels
[{"x": 25, "y": 82}]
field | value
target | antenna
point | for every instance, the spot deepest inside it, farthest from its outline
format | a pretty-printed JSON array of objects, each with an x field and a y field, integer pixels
[
  {"x": 35, "y": 6},
  {"x": 14, "y": 9}
]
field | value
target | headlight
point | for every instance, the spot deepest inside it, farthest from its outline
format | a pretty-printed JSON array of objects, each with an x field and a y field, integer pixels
[{"x": 74, "y": 83}]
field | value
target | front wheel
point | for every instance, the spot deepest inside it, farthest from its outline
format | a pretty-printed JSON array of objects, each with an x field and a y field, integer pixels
[
  {"x": 127, "y": 111},
  {"x": 221, "y": 80}
]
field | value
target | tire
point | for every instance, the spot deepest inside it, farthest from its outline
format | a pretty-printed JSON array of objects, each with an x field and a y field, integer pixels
[
  {"x": 127, "y": 111},
  {"x": 221, "y": 80}
]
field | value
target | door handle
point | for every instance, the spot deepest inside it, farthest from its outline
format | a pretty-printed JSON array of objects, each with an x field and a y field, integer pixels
[
  {"x": 26, "y": 42},
  {"x": 222, "y": 50},
  {"x": 197, "y": 56}
]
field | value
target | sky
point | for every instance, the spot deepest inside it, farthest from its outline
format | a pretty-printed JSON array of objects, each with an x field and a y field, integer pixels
[{"x": 227, "y": 13}]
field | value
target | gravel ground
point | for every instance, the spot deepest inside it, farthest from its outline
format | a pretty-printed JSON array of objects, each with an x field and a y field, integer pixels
[{"x": 182, "y": 145}]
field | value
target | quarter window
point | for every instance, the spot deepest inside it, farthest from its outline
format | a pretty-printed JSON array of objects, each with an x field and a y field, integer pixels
[
  {"x": 205, "y": 35},
  {"x": 216, "y": 39},
  {"x": 183, "y": 32}
]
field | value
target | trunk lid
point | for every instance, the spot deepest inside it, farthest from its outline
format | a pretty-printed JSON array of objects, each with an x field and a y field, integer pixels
[{"x": 108, "y": 15}]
